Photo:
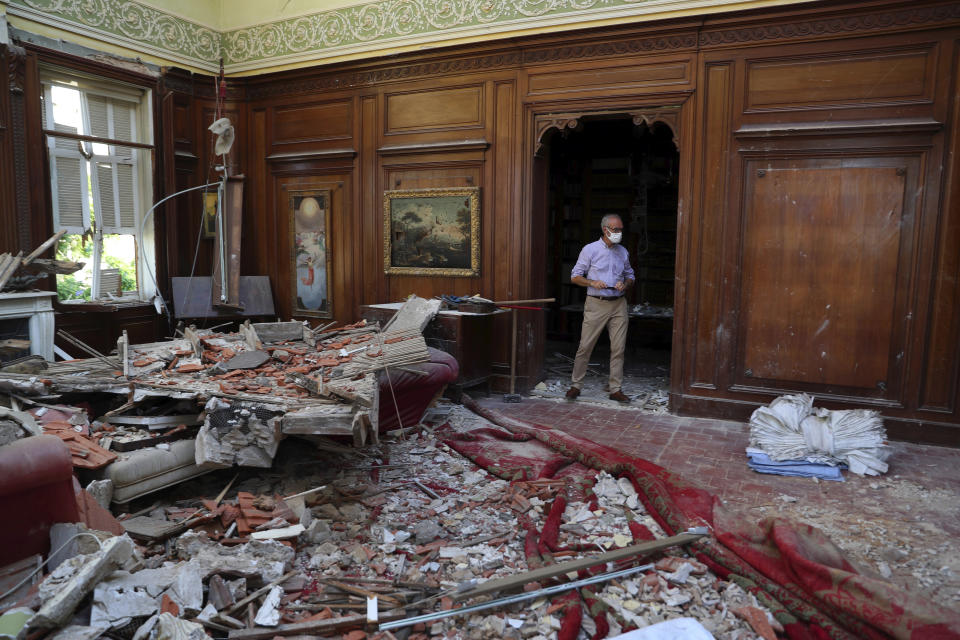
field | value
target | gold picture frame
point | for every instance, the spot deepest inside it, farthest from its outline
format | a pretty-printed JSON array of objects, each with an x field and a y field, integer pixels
[
  {"x": 432, "y": 232},
  {"x": 310, "y": 258},
  {"x": 209, "y": 214}
]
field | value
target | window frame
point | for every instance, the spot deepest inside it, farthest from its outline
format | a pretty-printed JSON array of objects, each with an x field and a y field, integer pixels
[{"x": 142, "y": 159}]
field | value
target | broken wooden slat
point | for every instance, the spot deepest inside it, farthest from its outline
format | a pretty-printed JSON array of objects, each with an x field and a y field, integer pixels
[
  {"x": 51, "y": 266},
  {"x": 43, "y": 247},
  {"x": 9, "y": 268},
  {"x": 358, "y": 591},
  {"x": 259, "y": 592},
  {"x": 314, "y": 627},
  {"x": 554, "y": 570}
]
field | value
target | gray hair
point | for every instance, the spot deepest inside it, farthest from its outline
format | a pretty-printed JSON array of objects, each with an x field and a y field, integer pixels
[{"x": 607, "y": 218}]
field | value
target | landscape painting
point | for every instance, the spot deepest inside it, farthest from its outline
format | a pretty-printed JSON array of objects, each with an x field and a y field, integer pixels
[
  {"x": 432, "y": 232},
  {"x": 310, "y": 242}
]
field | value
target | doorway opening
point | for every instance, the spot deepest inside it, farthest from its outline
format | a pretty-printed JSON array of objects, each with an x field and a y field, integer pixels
[{"x": 610, "y": 164}]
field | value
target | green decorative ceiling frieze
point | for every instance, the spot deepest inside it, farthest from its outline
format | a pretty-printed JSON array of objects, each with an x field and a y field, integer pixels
[
  {"x": 391, "y": 20},
  {"x": 319, "y": 35},
  {"x": 129, "y": 24}
]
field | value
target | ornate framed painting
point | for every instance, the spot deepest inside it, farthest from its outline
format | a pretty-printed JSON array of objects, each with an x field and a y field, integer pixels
[
  {"x": 310, "y": 249},
  {"x": 432, "y": 232}
]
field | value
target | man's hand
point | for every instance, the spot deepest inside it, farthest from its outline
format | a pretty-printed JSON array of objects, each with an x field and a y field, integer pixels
[
  {"x": 623, "y": 285},
  {"x": 598, "y": 284}
]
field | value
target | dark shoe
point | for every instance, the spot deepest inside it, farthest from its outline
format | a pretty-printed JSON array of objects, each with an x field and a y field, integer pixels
[
  {"x": 572, "y": 393},
  {"x": 619, "y": 397}
]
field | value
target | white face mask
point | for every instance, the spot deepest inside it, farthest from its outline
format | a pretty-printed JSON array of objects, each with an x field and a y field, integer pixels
[{"x": 615, "y": 237}]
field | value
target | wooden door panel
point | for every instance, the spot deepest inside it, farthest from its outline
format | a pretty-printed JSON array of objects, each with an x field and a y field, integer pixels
[{"x": 821, "y": 251}]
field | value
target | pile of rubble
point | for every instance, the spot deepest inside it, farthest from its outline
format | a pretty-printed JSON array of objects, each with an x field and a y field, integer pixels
[
  {"x": 345, "y": 541},
  {"x": 157, "y": 414}
]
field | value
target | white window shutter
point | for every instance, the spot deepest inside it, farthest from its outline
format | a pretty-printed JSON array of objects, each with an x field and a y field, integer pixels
[
  {"x": 70, "y": 206},
  {"x": 97, "y": 114},
  {"x": 127, "y": 198}
]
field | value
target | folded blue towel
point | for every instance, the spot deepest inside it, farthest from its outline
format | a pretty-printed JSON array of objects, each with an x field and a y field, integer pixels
[{"x": 761, "y": 462}]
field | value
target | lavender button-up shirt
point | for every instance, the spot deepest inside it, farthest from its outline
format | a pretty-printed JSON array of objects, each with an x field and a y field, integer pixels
[{"x": 610, "y": 264}]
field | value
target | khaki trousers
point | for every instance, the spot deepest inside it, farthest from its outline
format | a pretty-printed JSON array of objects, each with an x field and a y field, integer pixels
[{"x": 597, "y": 315}]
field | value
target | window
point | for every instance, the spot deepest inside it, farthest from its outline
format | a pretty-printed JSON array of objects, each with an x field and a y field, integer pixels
[{"x": 100, "y": 188}]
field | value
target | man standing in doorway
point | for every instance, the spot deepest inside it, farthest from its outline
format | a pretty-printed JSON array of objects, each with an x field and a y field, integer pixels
[{"x": 604, "y": 269}]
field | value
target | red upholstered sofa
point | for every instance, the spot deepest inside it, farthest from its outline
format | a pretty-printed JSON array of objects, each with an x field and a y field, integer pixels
[
  {"x": 36, "y": 491},
  {"x": 414, "y": 392}
]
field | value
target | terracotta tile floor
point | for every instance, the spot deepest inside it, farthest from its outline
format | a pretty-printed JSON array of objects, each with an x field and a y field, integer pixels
[{"x": 908, "y": 519}]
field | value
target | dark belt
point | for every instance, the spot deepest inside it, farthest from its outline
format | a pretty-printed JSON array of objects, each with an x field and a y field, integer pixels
[{"x": 604, "y": 297}]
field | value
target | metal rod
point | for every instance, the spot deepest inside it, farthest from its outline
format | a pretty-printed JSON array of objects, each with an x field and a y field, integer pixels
[
  {"x": 520, "y": 597},
  {"x": 536, "y": 301},
  {"x": 221, "y": 192}
]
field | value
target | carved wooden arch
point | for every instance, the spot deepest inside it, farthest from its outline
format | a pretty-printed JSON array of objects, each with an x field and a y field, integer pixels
[
  {"x": 668, "y": 116},
  {"x": 558, "y": 121}
]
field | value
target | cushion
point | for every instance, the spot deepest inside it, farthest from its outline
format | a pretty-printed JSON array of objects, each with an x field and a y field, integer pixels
[{"x": 144, "y": 471}]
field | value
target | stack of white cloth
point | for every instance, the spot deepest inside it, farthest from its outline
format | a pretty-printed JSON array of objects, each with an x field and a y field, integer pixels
[{"x": 791, "y": 428}]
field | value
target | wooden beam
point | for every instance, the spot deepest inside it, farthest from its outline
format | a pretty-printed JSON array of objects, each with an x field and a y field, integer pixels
[
  {"x": 316, "y": 627},
  {"x": 554, "y": 570}
]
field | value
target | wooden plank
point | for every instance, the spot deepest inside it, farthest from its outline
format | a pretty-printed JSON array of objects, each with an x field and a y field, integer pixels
[
  {"x": 43, "y": 247},
  {"x": 316, "y": 627},
  {"x": 554, "y": 570},
  {"x": 9, "y": 269},
  {"x": 261, "y": 591}
]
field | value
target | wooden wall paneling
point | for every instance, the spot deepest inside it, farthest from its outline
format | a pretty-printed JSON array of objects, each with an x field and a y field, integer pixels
[
  {"x": 437, "y": 111},
  {"x": 940, "y": 383},
  {"x": 847, "y": 80},
  {"x": 167, "y": 173},
  {"x": 930, "y": 216},
  {"x": 8, "y": 184},
  {"x": 501, "y": 250},
  {"x": 605, "y": 78},
  {"x": 434, "y": 171},
  {"x": 704, "y": 256},
  {"x": 259, "y": 239},
  {"x": 370, "y": 213},
  {"x": 838, "y": 81},
  {"x": 688, "y": 189},
  {"x": 339, "y": 181},
  {"x": 34, "y": 215},
  {"x": 176, "y": 221},
  {"x": 827, "y": 249},
  {"x": 729, "y": 242},
  {"x": 312, "y": 125},
  {"x": 355, "y": 217},
  {"x": 100, "y": 327}
]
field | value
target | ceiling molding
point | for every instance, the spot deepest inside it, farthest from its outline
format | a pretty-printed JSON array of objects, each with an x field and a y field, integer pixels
[{"x": 379, "y": 26}]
